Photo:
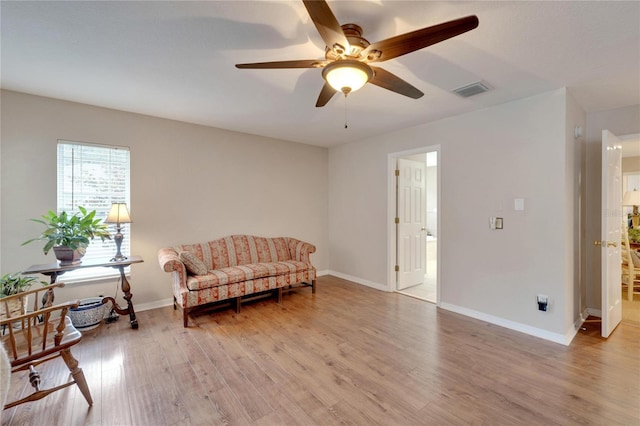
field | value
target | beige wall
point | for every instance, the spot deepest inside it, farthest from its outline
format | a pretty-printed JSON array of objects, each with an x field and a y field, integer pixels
[
  {"x": 631, "y": 164},
  {"x": 522, "y": 149},
  {"x": 621, "y": 121},
  {"x": 189, "y": 183}
]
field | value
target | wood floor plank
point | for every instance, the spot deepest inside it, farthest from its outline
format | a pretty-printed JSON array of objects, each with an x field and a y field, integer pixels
[{"x": 345, "y": 355}]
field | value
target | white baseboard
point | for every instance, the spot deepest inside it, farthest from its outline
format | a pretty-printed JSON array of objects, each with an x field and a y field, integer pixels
[
  {"x": 512, "y": 325},
  {"x": 152, "y": 305},
  {"x": 361, "y": 281},
  {"x": 594, "y": 312}
]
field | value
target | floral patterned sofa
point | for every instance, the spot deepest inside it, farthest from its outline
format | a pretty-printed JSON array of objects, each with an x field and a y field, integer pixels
[{"x": 236, "y": 266}]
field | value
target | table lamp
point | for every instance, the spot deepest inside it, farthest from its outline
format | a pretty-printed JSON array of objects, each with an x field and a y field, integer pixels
[
  {"x": 118, "y": 214},
  {"x": 632, "y": 198}
]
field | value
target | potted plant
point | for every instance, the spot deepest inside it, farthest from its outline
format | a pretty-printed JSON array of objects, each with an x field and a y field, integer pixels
[
  {"x": 11, "y": 284},
  {"x": 69, "y": 235},
  {"x": 634, "y": 235}
]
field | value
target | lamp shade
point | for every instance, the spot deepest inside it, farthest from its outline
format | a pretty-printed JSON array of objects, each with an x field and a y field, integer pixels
[
  {"x": 631, "y": 198},
  {"x": 347, "y": 75},
  {"x": 118, "y": 214}
]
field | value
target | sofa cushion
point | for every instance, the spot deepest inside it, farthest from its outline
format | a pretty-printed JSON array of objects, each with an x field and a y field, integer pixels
[
  {"x": 193, "y": 264},
  {"x": 239, "y": 273},
  {"x": 201, "y": 251},
  {"x": 247, "y": 249}
]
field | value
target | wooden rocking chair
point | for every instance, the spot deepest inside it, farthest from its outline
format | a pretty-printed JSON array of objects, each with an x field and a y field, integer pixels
[{"x": 39, "y": 336}]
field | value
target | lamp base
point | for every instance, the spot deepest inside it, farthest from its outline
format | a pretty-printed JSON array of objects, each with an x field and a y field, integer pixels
[{"x": 118, "y": 240}]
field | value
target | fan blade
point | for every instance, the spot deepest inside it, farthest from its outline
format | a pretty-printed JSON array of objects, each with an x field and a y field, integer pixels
[
  {"x": 416, "y": 40},
  {"x": 305, "y": 63},
  {"x": 326, "y": 94},
  {"x": 327, "y": 24},
  {"x": 386, "y": 80}
]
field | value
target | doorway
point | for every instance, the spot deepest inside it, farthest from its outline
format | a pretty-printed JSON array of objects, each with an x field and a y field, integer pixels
[
  {"x": 414, "y": 213},
  {"x": 630, "y": 182}
]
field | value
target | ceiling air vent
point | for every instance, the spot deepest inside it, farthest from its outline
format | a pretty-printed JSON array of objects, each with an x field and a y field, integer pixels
[{"x": 471, "y": 89}]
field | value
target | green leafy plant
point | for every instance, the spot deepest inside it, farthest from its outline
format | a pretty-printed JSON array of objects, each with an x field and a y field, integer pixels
[
  {"x": 16, "y": 283},
  {"x": 73, "y": 231},
  {"x": 634, "y": 235}
]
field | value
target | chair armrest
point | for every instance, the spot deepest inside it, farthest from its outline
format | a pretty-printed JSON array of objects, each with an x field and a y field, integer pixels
[
  {"x": 33, "y": 296},
  {"x": 33, "y": 290},
  {"x": 300, "y": 250},
  {"x": 48, "y": 310}
]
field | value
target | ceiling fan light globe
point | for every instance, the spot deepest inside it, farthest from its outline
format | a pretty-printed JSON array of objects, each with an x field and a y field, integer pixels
[{"x": 347, "y": 76}]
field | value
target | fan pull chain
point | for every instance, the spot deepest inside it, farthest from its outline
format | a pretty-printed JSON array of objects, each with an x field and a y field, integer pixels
[{"x": 345, "y": 111}]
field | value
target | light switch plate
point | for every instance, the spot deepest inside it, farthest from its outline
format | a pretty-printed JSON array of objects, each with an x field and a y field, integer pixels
[{"x": 518, "y": 204}]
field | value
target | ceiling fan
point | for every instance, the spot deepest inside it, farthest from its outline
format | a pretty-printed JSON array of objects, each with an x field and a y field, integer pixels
[{"x": 348, "y": 55}]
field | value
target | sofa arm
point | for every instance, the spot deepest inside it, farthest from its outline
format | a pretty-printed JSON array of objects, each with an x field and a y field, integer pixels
[
  {"x": 169, "y": 260},
  {"x": 300, "y": 250}
]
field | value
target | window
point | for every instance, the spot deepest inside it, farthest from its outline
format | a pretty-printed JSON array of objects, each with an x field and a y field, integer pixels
[{"x": 94, "y": 176}]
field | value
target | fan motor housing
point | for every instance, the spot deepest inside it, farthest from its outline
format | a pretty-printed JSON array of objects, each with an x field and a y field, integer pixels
[{"x": 357, "y": 43}]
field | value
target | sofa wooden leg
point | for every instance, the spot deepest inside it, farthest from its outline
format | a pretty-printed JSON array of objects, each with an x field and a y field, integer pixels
[
  {"x": 313, "y": 286},
  {"x": 237, "y": 305},
  {"x": 279, "y": 295},
  {"x": 185, "y": 317}
]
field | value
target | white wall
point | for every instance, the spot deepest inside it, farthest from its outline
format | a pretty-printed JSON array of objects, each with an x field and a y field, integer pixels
[
  {"x": 621, "y": 121},
  {"x": 189, "y": 183},
  {"x": 181, "y": 172},
  {"x": 488, "y": 158}
]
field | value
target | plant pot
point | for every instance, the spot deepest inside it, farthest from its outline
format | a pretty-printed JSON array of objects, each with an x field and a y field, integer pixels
[
  {"x": 88, "y": 315},
  {"x": 68, "y": 256}
]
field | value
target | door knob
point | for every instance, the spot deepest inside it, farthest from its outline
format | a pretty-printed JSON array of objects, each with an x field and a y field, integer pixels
[{"x": 605, "y": 243}]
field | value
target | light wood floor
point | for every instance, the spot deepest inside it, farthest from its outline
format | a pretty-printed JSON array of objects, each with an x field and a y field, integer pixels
[{"x": 346, "y": 355}]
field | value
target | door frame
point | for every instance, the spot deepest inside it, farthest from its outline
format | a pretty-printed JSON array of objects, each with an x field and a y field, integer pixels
[{"x": 391, "y": 214}]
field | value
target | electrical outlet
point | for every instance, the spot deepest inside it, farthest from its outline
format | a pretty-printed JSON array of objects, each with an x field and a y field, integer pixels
[
  {"x": 543, "y": 302},
  {"x": 495, "y": 222}
]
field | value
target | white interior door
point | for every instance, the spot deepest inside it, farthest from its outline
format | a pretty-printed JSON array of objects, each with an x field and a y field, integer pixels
[
  {"x": 611, "y": 232},
  {"x": 411, "y": 223}
]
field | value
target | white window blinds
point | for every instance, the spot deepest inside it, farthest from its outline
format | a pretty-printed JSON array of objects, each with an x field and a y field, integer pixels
[{"x": 94, "y": 176}]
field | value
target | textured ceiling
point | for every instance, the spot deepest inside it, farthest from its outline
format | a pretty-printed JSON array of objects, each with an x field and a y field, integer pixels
[{"x": 176, "y": 60}]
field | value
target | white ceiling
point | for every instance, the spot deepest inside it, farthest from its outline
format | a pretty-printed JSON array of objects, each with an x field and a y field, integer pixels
[{"x": 176, "y": 60}]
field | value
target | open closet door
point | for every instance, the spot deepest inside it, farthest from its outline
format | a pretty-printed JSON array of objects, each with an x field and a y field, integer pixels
[
  {"x": 610, "y": 235},
  {"x": 411, "y": 223}
]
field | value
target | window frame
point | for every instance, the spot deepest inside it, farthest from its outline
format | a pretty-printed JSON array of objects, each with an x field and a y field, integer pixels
[{"x": 104, "y": 169}]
